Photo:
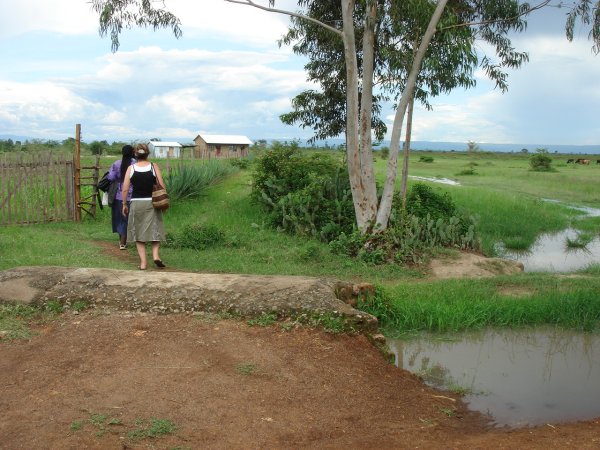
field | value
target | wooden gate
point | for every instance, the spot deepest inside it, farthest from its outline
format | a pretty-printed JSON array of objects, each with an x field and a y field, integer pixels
[{"x": 36, "y": 188}]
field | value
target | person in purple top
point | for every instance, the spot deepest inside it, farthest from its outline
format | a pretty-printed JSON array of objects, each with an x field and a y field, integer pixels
[{"x": 116, "y": 174}]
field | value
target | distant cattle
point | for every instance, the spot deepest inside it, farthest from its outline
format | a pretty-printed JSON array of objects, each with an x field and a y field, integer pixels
[
  {"x": 569, "y": 161},
  {"x": 583, "y": 161},
  {"x": 598, "y": 161}
]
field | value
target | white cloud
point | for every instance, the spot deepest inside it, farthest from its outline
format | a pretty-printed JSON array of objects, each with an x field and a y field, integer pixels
[
  {"x": 43, "y": 101},
  {"x": 61, "y": 16},
  {"x": 459, "y": 122},
  {"x": 184, "y": 106}
]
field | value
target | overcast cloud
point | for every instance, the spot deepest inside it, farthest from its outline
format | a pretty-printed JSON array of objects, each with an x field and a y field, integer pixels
[{"x": 227, "y": 75}]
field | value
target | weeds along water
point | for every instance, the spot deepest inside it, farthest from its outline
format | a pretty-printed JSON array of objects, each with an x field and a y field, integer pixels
[{"x": 514, "y": 301}]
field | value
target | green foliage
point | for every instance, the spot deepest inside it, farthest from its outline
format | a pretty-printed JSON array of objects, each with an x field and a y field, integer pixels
[
  {"x": 97, "y": 147},
  {"x": 458, "y": 305},
  {"x": 14, "y": 321},
  {"x": 264, "y": 320},
  {"x": 54, "y": 306},
  {"x": 156, "y": 428},
  {"x": 431, "y": 220},
  {"x": 199, "y": 237},
  {"x": 187, "y": 181},
  {"x": 245, "y": 368},
  {"x": 384, "y": 152},
  {"x": 240, "y": 163},
  {"x": 422, "y": 200},
  {"x": 304, "y": 194},
  {"x": 540, "y": 161}
]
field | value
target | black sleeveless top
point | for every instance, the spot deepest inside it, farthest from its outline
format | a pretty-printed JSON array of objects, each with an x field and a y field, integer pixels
[{"x": 142, "y": 183}]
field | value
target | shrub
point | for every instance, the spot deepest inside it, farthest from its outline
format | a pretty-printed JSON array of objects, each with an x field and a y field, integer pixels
[
  {"x": 199, "y": 237},
  {"x": 426, "y": 159},
  {"x": 240, "y": 163},
  {"x": 384, "y": 152},
  {"x": 422, "y": 200},
  {"x": 304, "y": 194},
  {"x": 431, "y": 220},
  {"x": 540, "y": 161}
]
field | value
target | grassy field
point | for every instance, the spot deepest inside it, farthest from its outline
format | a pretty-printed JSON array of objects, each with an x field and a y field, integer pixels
[{"x": 502, "y": 192}]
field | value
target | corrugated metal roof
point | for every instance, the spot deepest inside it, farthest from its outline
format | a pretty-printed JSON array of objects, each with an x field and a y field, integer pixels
[
  {"x": 164, "y": 144},
  {"x": 225, "y": 139}
]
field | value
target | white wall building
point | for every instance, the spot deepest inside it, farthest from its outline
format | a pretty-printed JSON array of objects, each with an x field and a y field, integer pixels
[{"x": 160, "y": 149}]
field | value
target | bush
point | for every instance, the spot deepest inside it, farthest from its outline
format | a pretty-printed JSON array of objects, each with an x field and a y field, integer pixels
[
  {"x": 431, "y": 220},
  {"x": 426, "y": 159},
  {"x": 423, "y": 201},
  {"x": 199, "y": 237},
  {"x": 240, "y": 163},
  {"x": 540, "y": 162},
  {"x": 304, "y": 194}
]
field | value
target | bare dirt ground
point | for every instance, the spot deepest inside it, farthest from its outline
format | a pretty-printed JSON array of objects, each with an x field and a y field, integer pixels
[{"x": 181, "y": 381}]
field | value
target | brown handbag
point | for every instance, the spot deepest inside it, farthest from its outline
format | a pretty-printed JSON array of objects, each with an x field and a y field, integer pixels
[{"x": 160, "y": 198}]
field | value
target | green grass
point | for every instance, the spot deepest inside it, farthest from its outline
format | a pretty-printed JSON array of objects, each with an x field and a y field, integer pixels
[
  {"x": 505, "y": 196},
  {"x": 245, "y": 368},
  {"x": 458, "y": 305},
  {"x": 140, "y": 430},
  {"x": 16, "y": 320},
  {"x": 156, "y": 428}
]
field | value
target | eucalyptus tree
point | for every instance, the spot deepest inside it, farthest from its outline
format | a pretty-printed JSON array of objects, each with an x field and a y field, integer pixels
[
  {"x": 449, "y": 63},
  {"x": 409, "y": 24}
]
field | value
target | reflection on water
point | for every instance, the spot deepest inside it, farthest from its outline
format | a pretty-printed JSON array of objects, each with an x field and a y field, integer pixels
[
  {"x": 436, "y": 180},
  {"x": 550, "y": 253},
  {"x": 517, "y": 377}
]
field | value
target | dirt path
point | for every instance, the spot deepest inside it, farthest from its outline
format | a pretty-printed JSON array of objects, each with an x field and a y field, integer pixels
[
  {"x": 97, "y": 381},
  {"x": 193, "y": 381}
]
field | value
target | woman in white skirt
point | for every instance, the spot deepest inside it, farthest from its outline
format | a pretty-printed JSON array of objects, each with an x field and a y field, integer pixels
[{"x": 145, "y": 223}]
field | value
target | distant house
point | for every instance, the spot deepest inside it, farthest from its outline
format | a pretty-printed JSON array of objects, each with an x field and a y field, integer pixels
[
  {"x": 160, "y": 149},
  {"x": 221, "y": 146}
]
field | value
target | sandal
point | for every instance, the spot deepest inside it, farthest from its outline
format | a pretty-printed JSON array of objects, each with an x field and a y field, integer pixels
[
  {"x": 159, "y": 263},
  {"x": 122, "y": 247}
]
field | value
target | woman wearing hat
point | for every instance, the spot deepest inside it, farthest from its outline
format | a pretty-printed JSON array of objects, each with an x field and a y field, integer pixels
[
  {"x": 145, "y": 223},
  {"x": 116, "y": 174}
]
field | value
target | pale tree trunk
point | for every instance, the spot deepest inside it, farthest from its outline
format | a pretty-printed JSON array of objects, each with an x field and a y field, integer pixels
[
  {"x": 367, "y": 174},
  {"x": 385, "y": 206},
  {"x": 364, "y": 216},
  {"x": 406, "y": 152}
]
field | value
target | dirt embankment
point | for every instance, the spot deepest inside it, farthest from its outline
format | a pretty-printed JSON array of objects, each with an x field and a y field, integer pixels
[{"x": 179, "y": 292}]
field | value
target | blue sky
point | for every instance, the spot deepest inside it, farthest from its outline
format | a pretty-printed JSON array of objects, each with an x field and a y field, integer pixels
[{"x": 227, "y": 75}]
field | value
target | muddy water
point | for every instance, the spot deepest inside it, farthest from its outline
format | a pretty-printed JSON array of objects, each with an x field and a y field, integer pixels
[
  {"x": 550, "y": 253},
  {"x": 517, "y": 377}
]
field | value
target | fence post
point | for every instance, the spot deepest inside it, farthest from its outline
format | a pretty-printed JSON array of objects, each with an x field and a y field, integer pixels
[{"x": 77, "y": 172}]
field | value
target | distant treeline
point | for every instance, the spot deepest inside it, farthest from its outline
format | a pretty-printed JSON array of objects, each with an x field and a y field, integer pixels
[{"x": 68, "y": 145}]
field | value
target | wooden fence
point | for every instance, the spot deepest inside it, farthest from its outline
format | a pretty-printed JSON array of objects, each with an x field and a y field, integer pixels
[{"x": 36, "y": 188}]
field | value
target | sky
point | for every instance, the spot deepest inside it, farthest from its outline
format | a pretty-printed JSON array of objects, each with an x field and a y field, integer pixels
[{"x": 228, "y": 75}]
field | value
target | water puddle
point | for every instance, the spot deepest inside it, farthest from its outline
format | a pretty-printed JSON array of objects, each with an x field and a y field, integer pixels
[
  {"x": 587, "y": 210},
  {"x": 551, "y": 253},
  {"x": 447, "y": 181},
  {"x": 517, "y": 377}
]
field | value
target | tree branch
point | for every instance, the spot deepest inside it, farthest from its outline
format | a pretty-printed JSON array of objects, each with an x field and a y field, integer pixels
[
  {"x": 289, "y": 13},
  {"x": 486, "y": 22}
]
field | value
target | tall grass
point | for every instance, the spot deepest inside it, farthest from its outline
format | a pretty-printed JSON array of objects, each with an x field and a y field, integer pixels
[
  {"x": 186, "y": 181},
  {"x": 457, "y": 305},
  {"x": 513, "y": 219}
]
